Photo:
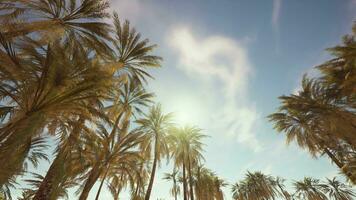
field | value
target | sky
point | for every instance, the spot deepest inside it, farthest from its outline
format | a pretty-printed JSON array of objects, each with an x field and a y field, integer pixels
[{"x": 225, "y": 64}]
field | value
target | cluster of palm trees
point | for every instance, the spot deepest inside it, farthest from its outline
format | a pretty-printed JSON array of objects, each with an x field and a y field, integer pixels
[
  {"x": 259, "y": 186},
  {"x": 204, "y": 185},
  {"x": 321, "y": 117},
  {"x": 68, "y": 76},
  {"x": 72, "y": 79}
]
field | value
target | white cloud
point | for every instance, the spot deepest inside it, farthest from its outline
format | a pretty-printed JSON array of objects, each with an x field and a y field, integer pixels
[{"x": 221, "y": 63}]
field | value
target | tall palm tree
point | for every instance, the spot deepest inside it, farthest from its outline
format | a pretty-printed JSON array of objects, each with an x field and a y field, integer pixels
[
  {"x": 309, "y": 189},
  {"x": 337, "y": 190},
  {"x": 186, "y": 148},
  {"x": 127, "y": 102},
  {"x": 43, "y": 95},
  {"x": 155, "y": 124},
  {"x": 174, "y": 178},
  {"x": 130, "y": 90},
  {"x": 255, "y": 186}
]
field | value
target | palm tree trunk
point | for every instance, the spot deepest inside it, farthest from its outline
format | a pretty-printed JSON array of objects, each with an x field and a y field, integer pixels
[
  {"x": 50, "y": 181},
  {"x": 197, "y": 186},
  {"x": 101, "y": 184},
  {"x": 138, "y": 183},
  {"x": 339, "y": 164},
  {"x": 93, "y": 177},
  {"x": 184, "y": 183},
  {"x": 175, "y": 188},
  {"x": 190, "y": 179},
  {"x": 333, "y": 158},
  {"x": 154, "y": 166}
]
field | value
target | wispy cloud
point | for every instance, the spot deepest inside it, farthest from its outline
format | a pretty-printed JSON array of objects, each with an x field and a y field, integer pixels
[
  {"x": 276, "y": 13},
  {"x": 222, "y": 63},
  {"x": 277, "y": 4}
]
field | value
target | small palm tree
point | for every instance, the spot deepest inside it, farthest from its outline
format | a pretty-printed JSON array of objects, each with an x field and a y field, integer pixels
[
  {"x": 218, "y": 185},
  {"x": 309, "y": 189},
  {"x": 175, "y": 190},
  {"x": 207, "y": 185},
  {"x": 337, "y": 190},
  {"x": 279, "y": 182},
  {"x": 131, "y": 54},
  {"x": 155, "y": 125},
  {"x": 255, "y": 186}
]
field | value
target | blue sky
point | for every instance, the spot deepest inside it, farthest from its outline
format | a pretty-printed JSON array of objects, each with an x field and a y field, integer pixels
[{"x": 225, "y": 64}]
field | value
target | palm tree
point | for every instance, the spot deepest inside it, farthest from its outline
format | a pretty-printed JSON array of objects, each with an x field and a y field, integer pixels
[
  {"x": 140, "y": 182},
  {"x": 208, "y": 186},
  {"x": 338, "y": 74},
  {"x": 131, "y": 53},
  {"x": 32, "y": 152},
  {"x": 155, "y": 124},
  {"x": 115, "y": 187},
  {"x": 218, "y": 185},
  {"x": 130, "y": 91},
  {"x": 321, "y": 116},
  {"x": 174, "y": 178},
  {"x": 107, "y": 155},
  {"x": 42, "y": 96},
  {"x": 311, "y": 120},
  {"x": 255, "y": 186},
  {"x": 53, "y": 19},
  {"x": 279, "y": 182},
  {"x": 127, "y": 102},
  {"x": 309, "y": 189},
  {"x": 186, "y": 148},
  {"x": 35, "y": 182},
  {"x": 5, "y": 189},
  {"x": 337, "y": 190}
]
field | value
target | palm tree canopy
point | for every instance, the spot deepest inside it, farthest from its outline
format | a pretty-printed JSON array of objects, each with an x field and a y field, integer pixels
[
  {"x": 309, "y": 189},
  {"x": 337, "y": 190},
  {"x": 255, "y": 186}
]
